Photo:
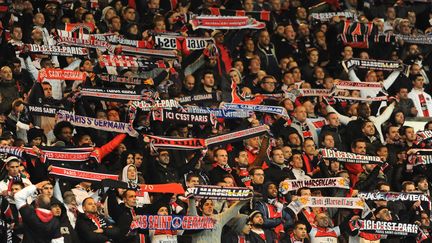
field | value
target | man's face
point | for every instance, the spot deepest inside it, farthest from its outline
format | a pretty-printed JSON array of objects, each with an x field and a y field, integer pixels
[
  {"x": 16, "y": 69},
  {"x": 66, "y": 134},
  {"x": 221, "y": 157},
  {"x": 409, "y": 188},
  {"x": 393, "y": 134},
  {"x": 130, "y": 15},
  {"x": 258, "y": 177},
  {"x": 138, "y": 159},
  {"x": 242, "y": 159},
  {"x": 297, "y": 162},
  {"x": 329, "y": 141},
  {"x": 290, "y": 34},
  {"x": 189, "y": 83},
  {"x": 410, "y": 134},
  {"x": 403, "y": 94},
  {"x": 347, "y": 53},
  {"x": 85, "y": 141},
  {"x": 368, "y": 129},
  {"x": 153, "y": 5},
  {"x": 278, "y": 157},
  {"x": 287, "y": 151},
  {"x": 300, "y": 232},
  {"x": 264, "y": 38},
  {"x": 15, "y": 188},
  {"x": 294, "y": 139},
  {"x": 130, "y": 199},
  {"x": 272, "y": 190},
  {"x": 48, "y": 190},
  {"x": 360, "y": 148},
  {"x": 309, "y": 147},
  {"x": 384, "y": 215},
  {"x": 208, "y": 80},
  {"x": 17, "y": 34},
  {"x": 164, "y": 157},
  {"x": 248, "y": 5},
  {"x": 300, "y": 113},
  {"x": 323, "y": 220},
  {"x": 313, "y": 57},
  {"x": 258, "y": 220},
  {"x": 418, "y": 82},
  {"x": 6, "y": 73},
  {"x": 56, "y": 210},
  {"x": 115, "y": 24},
  {"x": 423, "y": 185},
  {"x": 268, "y": 85},
  {"x": 13, "y": 168},
  {"x": 193, "y": 182},
  {"x": 90, "y": 206},
  {"x": 208, "y": 208}
]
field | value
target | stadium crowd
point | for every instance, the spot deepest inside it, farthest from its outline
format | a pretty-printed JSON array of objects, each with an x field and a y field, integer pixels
[{"x": 113, "y": 115}]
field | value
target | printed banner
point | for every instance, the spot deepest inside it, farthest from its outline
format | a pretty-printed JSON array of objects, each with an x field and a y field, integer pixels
[
  {"x": 387, "y": 227},
  {"x": 189, "y": 118},
  {"x": 72, "y": 27},
  {"x": 164, "y": 104},
  {"x": 370, "y": 99},
  {"x": 177, "y": 143},
  {"x": 346, "y": 157},
  {"x": 49, "y": 111},
  {"x": 175, "y": 188},
  {"x": 420, "y": 157},
  {"x": 324, "y": 17},
  {"x": 220, "y": 192},
  {"x": 80, "y": 174},
  {"x": 10, "y": 150},
  {"x": 418, "y": 39},
  {"x": 393, "y": 196},
  {"x": 112, "y": 94},
  {"x": 177, "y": 42},
  {"x": 199, "y": 98},
  {"x": 219, "y": 113},
  {"x": 88, "y": 43},
  {"x": 237, "y": 135},
  {"x": 351, "y": 85},
  {"x": 123, "y": 79},
  {"x": 278, "y": 110},
  {"x": 329, "y": 202},
  {"x": 131, "y": 61},
  {"x": 218, "y": 22},
  {"x": 260, "y": 15},
  {"x": 384, "y": 65},
  {"x": 333, "y": 182},
  {"x": 423, "y": 136},
  {"x": 63, "y": 154},
  {"x": 103, "y": 125},
  {"x": 172, "y": 222},
  {"x": 61, "y": 74},
  {"x": 56, "y": 50},
  {"x": 129, "y": 50}
]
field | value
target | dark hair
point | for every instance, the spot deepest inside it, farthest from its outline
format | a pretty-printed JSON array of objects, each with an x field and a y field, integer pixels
[
  {"x": 206, "y": 72},
  {"x": 191, "y": 175},
  {"x": 252, "y": 171},
  {"x": 358, "y": 140},
  {"x": 302, "y": 189},
  {"x": 402, "y": 130}
]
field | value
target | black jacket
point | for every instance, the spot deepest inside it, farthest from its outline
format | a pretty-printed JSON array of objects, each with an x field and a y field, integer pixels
[
  {"x": 275, "y": 174},
  {"x": 36, "y": 230},
  {"x": 85, "y": 229}
]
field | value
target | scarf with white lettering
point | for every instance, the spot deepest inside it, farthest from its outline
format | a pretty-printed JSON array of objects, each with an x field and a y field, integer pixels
[
  {"x": 329, "y": 202},
  {"x": 61, "y": 74},
  {"x": 181, "y": 117},
  {"x": 218, "y": 22},
  {"x": 332, "y": 182},
  {"x": 351, "y": 85},
  {"x": 184, "y": 43},
  {"x": 384, "y": 65},
  {"x": 58, "y": 155},
  {"x": 66, "y": 51},
  {"x": 131, "y": 61},
  {"x": 259, "y": 15},
  {"x": 325, "y": 17},
  {"x": 423, "y": 136},
  {"x": 199, "y": 98},
  {"x": 219, "y": 192},
  {"x": 87, "y": 43},
  {"x": 393, "y": 196},
  {"x": 137, "y": 51},
  {"x": 174, "y": 188},
  {"x": 115, "y": 94},
  {"x": 219, "y": 113},
  {"x": 172, "y": 222},
  {"x": 73, "y": 174},
  {"x": 49, "y": 111},
  {"x": 278, "y": 110},
  {"x": 386, "y": 227},
  {"x": 123, "y": 79},
  {"x": 164, "y": 104},
  {"x": 420, "y": 157},
  {"x": 346, "y": 157},
  {"x": 98, "y": 124},
  {"x": 176, "y": 143}
]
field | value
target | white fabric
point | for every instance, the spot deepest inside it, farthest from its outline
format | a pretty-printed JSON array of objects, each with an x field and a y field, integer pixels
[{"x": 414, "y": 95}]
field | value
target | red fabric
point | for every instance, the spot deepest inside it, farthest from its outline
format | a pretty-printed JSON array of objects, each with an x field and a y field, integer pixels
[
  {"x": 44, "y": 216},
  {"x": 109, "y": 147},
  {"x": 224, "y": 55},
  {"x": 132, "y": 4},
  {"x": 423, "y": 105},
  {"x": 274, "y": 214},
  {"x": 354, "y": 170}
]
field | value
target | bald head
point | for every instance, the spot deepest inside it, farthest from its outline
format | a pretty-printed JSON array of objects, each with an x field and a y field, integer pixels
[{"x": 300, "y": 113}]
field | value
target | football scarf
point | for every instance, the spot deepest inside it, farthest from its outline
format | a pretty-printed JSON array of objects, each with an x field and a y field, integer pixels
[
  {"x": 87, "y": 43},
  {"x": 123, "y": 79},
  {"x": 73, "y": 174},
  {"x": 329, "y": 202},
  {"x": 219, "y": 113},
  {"x": 351, "y": 85},
  {"x": 421, "y": 157},
  {"x": 235, "y": 97},
  {"x": 423, "y": 136},
  {"x": 174, "y": 188},
  {"x": 172, "y": 222},
  {"x": 176, "y": 143},
  {"x": 57, "y": 155},
  {"x": 182, "y": 117},
  {"x": 49, "y": 111},
  {"x": 423, "y": 105},
  {"x": 332, "y": 182},
  {"x": 219, "y": 192},
  {"x": 293, "y": 94},
  {"x": 136, "y": 51},
  {"x": 419, "y": 39},
  {"x": 80, "y": 28},
  {"x": 110, "y": 94},
  {"x": 130, "y": 61},
  {"x": 384, "y": 65},
  {"x": 325, "y": 17},
  {"x": 259, "y": 15},
  {"x": 386, "y": 227},
  {"x": 218, "y": 22},
  {"x": 368, "y": 99},
  {"x": 199, "y": 98},
  {"x": 393, "y": 196},
  {"x": 15, "y": 151},
  {"x": 278, "y": 110},
  {"x": 357, "y": 34},
  {"x": 61, "y": 74},
  {"x": 164, "y": 104},
  {"x": 171, "y": 42},
  {"x": 102, "y": 125},
  {"x": 56, "y": 50},
  {"x": 346, "y": 157},
  {"x": 237, "y": 135}
]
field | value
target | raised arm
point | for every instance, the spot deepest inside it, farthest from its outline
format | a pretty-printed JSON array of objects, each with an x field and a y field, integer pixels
[
  {"x": 390, "y": 79},
  {"x": 343, "y": 119},
  {"x": 353, "y": 76}
]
